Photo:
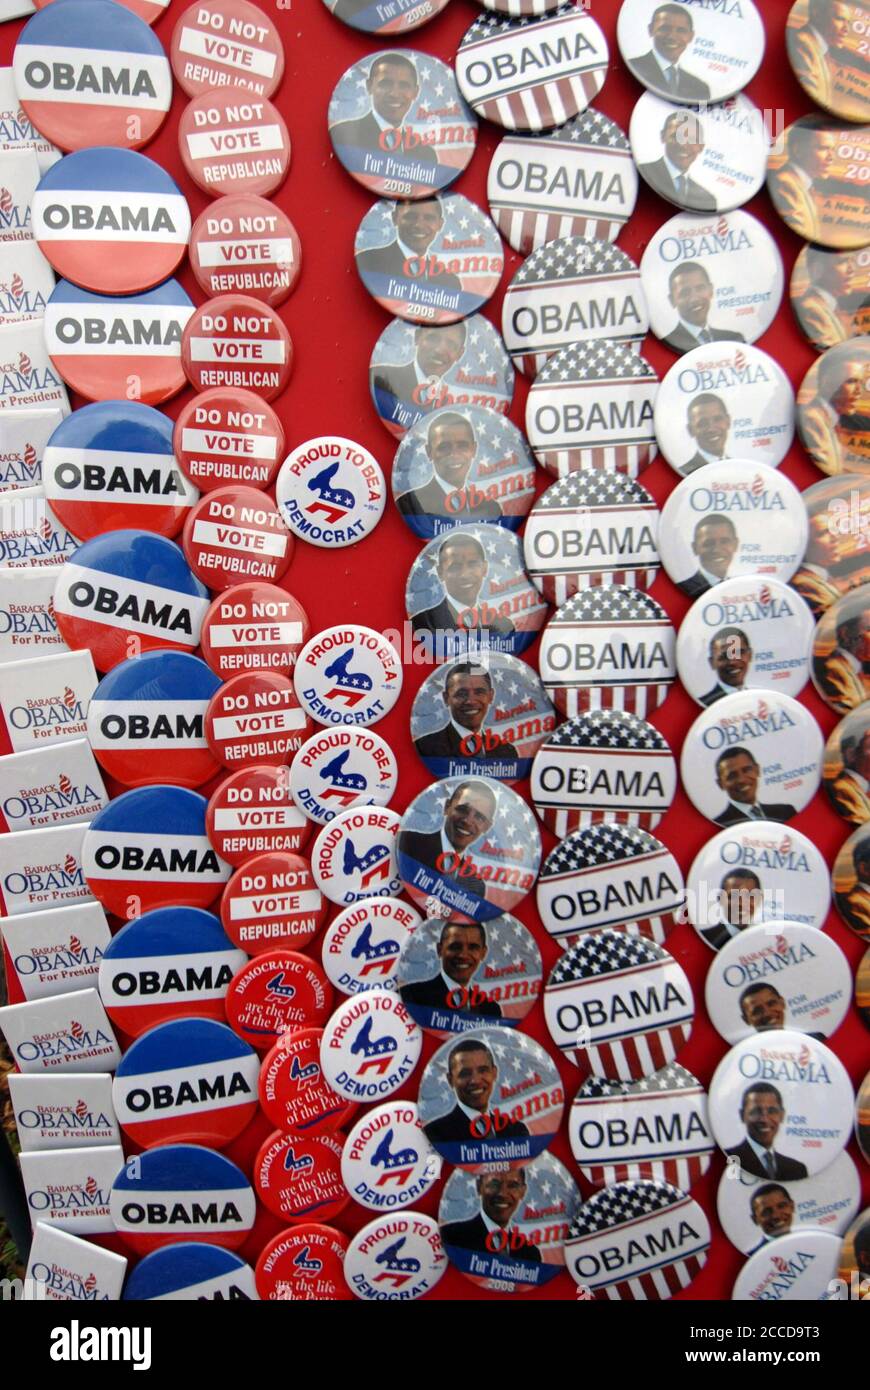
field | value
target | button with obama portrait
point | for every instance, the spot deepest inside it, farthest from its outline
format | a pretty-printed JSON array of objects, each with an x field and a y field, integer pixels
[
  {"x": 801, "y": 1267},
  {"x": 846, "y": 768},
  {"x": 468, "y": 849},
  {"x": 458, "y": 467},
  {"x": 703, "y": 159},
  {"x": 468, "y": 592},
  {"x": 506, "y": 1231},
  {"x": 754, "y": 1212},
  {"x": 837, "y": 557},
  {"x": 841, "y": 651},
  {"x": 372, "y": 17},
  {"x": 833, "y": 407},
  {"x": 490, "y": 1100},
  {"x": 752, "y": 873},
  {"x": 745, "y": 634},
  {"x": 487, "y": 715},
  {"x": 827, "y": 47},
  {"x": 815, "y": 181},
  {"x": 830, "y": 295},
  {"x": 691, "y": 54},
  {"x": 603, "y": 765},
  {"x": 850, "y": 880},
  {"x": 733, "y": 520}
]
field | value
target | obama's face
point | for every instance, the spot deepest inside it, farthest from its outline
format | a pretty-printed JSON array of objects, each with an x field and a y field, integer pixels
[
  {"x": 762, "y": 1115},
  {"x": 708, "y": 424},
  {"x": 451, "y": 447},
  {"x": 773, "y": 1213},
  {"x": 500, "y": 1195},
  {"x": 439, "y": 349},
  {"x": 472, "y": 1076},
  {"x": 468, "y": 815},
  {"x": 764, "y": 1009},
  {"x": 691, "y": 294},
  {"x": 461, "y": 951},
  {"x": 392, "y": 87},
  {"x": 683, "y": 139},
  {"x": 418, "y": 224},
  {"x": 715, "y": 545}
]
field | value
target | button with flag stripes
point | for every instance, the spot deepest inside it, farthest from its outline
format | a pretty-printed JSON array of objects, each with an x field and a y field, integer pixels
[
  {"x": 603, "y": 765},
  {"x": 589, "y": 531},
  {"x": 615, "y": 1243},
  {"x": 608, "y": 648}
]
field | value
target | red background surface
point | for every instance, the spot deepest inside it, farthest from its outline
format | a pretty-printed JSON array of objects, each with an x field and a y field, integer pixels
[{"x": 334, "y": 325}]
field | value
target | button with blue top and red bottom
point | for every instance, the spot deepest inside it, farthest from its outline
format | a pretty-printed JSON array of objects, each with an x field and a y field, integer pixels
[
  {"x": 181, "y": 1192},
  {"x": 195, "y": 1271}
]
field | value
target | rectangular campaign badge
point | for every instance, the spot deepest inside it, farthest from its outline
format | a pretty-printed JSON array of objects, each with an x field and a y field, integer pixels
[
  {"x": 64, "y": 1033},
  {"x": 23, "y": 437},
  {"x": 70, "y": 1188},
  {"x": 45, "y": 701},
  {"x": 63, "y": 1112},
  {"x": 19, "y": 175},
  {"x": 27, "y": 625},
  {"x": 40, "y": 869},
  {"x": 56, "y": 952},
  {"x": 17, "y": 131},
  {"x": 67, "y": 1269},
  {"x": 50, "y": 786},
  {"x": 28, "y": 377},
  {"x": 26, "y": 282}
]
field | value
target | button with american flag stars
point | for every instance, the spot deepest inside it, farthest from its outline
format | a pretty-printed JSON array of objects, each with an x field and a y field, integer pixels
[
  {"x": 753, "y": 1212},
  {"x": 567, "y": 291},
  {"x": 608, "y": 648},
  {"x": 387, "y": 1161},
  {"x": 616, "y": 1242},
  {"x": 535, "y": 72},
  {"x": 652, "y": 1128},
  {"x": 577, "y": 180},
  {"x": 396, "y": 1258}
]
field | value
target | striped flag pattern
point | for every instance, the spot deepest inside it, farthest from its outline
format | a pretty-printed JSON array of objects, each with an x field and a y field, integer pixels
[
  {"x": 626, "y": 620},
  {"x": 629, "y": 1213}
]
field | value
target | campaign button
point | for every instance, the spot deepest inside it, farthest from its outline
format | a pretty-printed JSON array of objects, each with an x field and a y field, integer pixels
[
  {"x": 815, "y": 183},
  {"x": 591, "y": 407},
  {"x": 18, "y": 135},
  {"x": 192, "y": 1272},
  {"x": 362, "y": 945},
  {"x": 406, "y": 256},
  {"x": 175, "y": 962},
  {"x": 252, "y": 812},
  {"x": 128, "y": 592},
  {"x": 370, "y": 1046},
  {"x": 63, "y": 1034},
  {"x": 854, "y": 1264},
  {"x": 862, "y": 1118},
  {"x": 836, "y": 558},
  {"x": 862, "y": 988},
  {"x": 781, "y": 1105},
  {"x": 43, "y": 788},
  {"x": 575, "y": 181},
  {"x": 453, "y": 976},
  {"x": 468, "y": 849},
  {"x": 833, "y": 408},
  {"x": 702, "y": 158},
  {"x": 348, "y": 675},
  {"x": 149, "y": 10},
  {"x": 55, "y": 951},
  {"x": 825, "y": 44},
  {"x": 255, "y": 718},
  {"x": 245, "y": 245},
  {"x": 399, "y": 125},
  {"x": 110, "y": 220},
  {"x": 849, "y": 880},
  {"x": 181, "y": 1192},
  {"x": 235, "y": 341},
  {"x": 801, "y": 1266},
  {"x": 23, "y": 437},
  {"x": 490, "y": 1100},
  {"x": 63, "y": 1112},
  {"x": 620, "y": 1004},
  {"x": 732, "y": 519},
  {"x": 603, "y": 765},
  {"x": 235, "y": 534},
  {"x": 304, "y": 1264},
  {"x": 115, "y": 348},
  {"x": 608, "y": 649},
  {"x": 148, "y": 849},
  {"x": 232, "y": 142},
  {"x": 615, "y": 1244},
  {"x": 92, "y": 75},
  {"x": 518, "y": 8},
  {"x": 274, "y": 993},
  {"x": 70, "y": 1189},
  {"x": 838, "y": 668},
  {"x": 847, "y": 760},
  {"x": 154, "y": 703},
  {"x": 44, "y": 700},
  {"x": 66, "y": 1268},
  {"x": 226, "y": 436},
  {"x": 190, "y": 1080},
  {"x": 354, "y": 855},
  {"x": 830, "y": 295},
  {"x": 731, "y": 406},
  {"x": 298, "y": 1176},
  {"x": 387, "y": 1161},
  {"x": 745, "y": 634},
  {"x": 532, "y": 73},
  {"x": 691, "y": 55},
  {"x": 272, "y": 901},
  {"x": 28, "y": 282},
  {"x": 253, "y": 627},
  {"x": 293, "y": 1092},
  {"x": 754, "y": 1213},
  {"x": 396, "y": 1258},
  {"x": 32, "y": 536},
  {"x": 331, "y": 491},
  {"x": 567, "y": 291},
  {"x": 338, "y": 769},
  {"x": 226, "y": 43}
]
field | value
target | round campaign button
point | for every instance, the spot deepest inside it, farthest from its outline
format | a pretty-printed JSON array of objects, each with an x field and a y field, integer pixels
[
  {"x": 181, "y": 1192},
  {"x": 304, "y": 1263},
  {"x": 32, "y": 535},
  {"x": 468, "y": 849},
  {"x": 826, "y": 46},
  {"x": 603, "y": 765},
  {"x": 862, "y": 988},
  {"x": 755, "y": 1212},
  {"x": 608, "y": 649},
  {"x": 577, "y": 180},
  {"x": 779, "y": 975},
  {"x": 693, "y": 55},
  {"x": 468, "y": 592},
  {"x": 830, "y": 295},
  {"x": 115, "y": 348},
  {"x": 298, "y": 1177},
  {"x": 862, "y": 1118},
  {"x": 591, "y": 407},
  {"x": 232, "y": 142},
  {"x": 331, "y": 491},
  {"x": 836, "y": 557},
  {"x": 454, "y": 976},
  {"x": 274, "y": 993},
  {"x": 370, "y": 1046},
  {"x": 271, "y": 900},
  {"x": 395, "y": 1258},
  {"x": 254, "y": 719},
  {"x": 407, "y": 257},
  {"x": 252, "y": 812},
  {"x": 745, "y": 634},
  {"x": 354, "y": 855},
  {"x": 362, "y": 945},
  {"x": 710, "y": 279},
  {"x": 226, "y": 43},
  {"x": 815, "y": 181},
  {"x": 128, "y": 592},
  {"x": 110, "y": 220},
  {"x": 235, "y": 534},
  {"x": 371, "y": 18},
  {"x": 253, "y": 627},
  {"x": 190, "y": 1080},
  {"x": 655, "y": 1128},
  {"x": 416, "y": 370},
  {"x": 506, "y": 1231},
  {"x": 637, "y": 1241},
  {"x": 194, "y": 1271},
  {"x": 293, "y": 1092},
  {"x": 237, "y": 342},
  {"x": 88, "y": 72},
  {"x": 245, "y": 245},
  {"x": 846, "y": 770},
  {"x": 175, "y": 962},
  {"x": 532, "y": 73},
  {"x": 486, "y": 716},
  {"x": 490, "y": 1100},
  {"x": 148, "y": 849},
  {"x": 459, "y": 467},
  {"x": 110, "y": 465},
  {"x": 154, "y": 703},
  {"x": 702, "y": 158},
  {"x": 348, "y": 675},
  {"x": 589, "y": 531},
  {"x": 840, "y": 670},
  {"x": 149, "y": 10},
  {"x": 387, "y": 1161},
  {"x": 801, "y": 1266},
  {"x": 228, "y": 436},
  {"x": 399, "y": 125},
  {"x": 833, "y": 408},
  {"x": 850, "y": 878},
  {"x": 337, "y": 769}
]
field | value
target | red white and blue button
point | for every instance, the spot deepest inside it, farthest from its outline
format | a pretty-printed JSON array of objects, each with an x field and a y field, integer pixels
[
  {"x": 194, "y": 1271},
  {"x": 181, "y": 1192}
]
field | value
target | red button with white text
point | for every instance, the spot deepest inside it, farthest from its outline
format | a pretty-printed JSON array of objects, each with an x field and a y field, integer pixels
[
  {"x": 274, "y": 992},
  {"x": 234, "y": 143},
  {"x": 253, "y": 812},
  {"x": 293, "y": 1092},
  {"x": 236, "y": 534},
  {"x": 226, "y": 43},
  {"x": 298, "y": 1176},
  {"x": 245, "y": 245},
  {"x": 304, "y": 1265},
  {"x": 253, "y": 627},
  {"x": 228, "y": 436},
  {"x": 272, "y": 900},
  {"x": 255, "y": 718},
  {"x": 237, "y": 341}
]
